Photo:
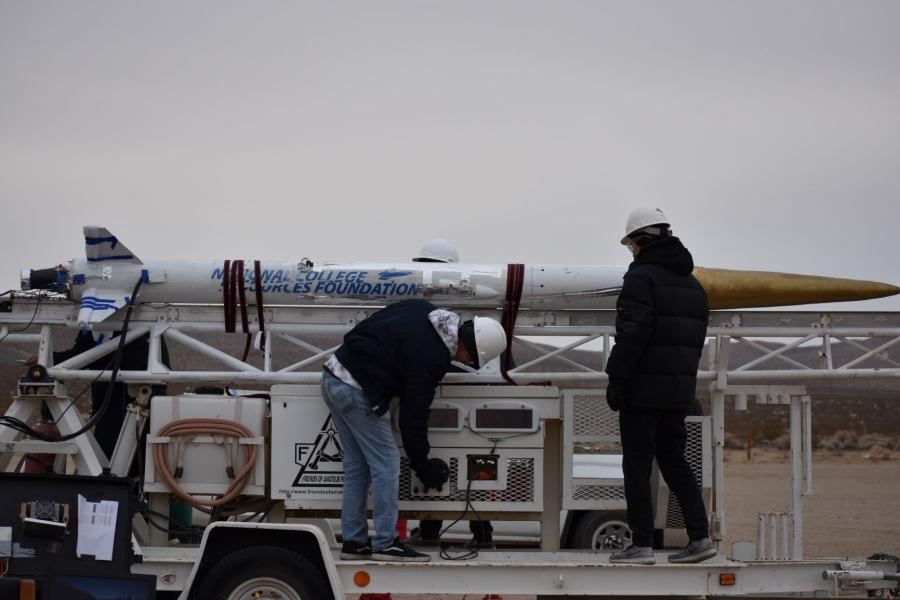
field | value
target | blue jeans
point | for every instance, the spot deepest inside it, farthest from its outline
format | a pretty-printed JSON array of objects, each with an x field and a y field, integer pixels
[{"x": 370, "y": 454}]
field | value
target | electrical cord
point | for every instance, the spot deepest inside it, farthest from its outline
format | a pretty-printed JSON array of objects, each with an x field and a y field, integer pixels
[
  {"x": 469, "y": 553},
  {"x": 81, "y": 393},
  {"x": 472, "y": 552}
]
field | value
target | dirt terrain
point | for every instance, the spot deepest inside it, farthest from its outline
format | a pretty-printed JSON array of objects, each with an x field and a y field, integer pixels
[{"x": 853, "y": 510}]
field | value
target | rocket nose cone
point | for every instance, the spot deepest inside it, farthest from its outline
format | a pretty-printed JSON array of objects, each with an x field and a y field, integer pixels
[{"x": 728, "y": 288}]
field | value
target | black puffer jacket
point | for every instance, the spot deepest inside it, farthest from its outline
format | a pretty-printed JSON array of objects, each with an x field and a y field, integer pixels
[
  {"x": 662, "y": 315},
  {"x": 396, "y": 352}
]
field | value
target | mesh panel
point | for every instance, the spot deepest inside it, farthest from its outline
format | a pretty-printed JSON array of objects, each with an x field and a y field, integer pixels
[
  {"x": 519, "y": 484},
  {"x": 693, "y": 451},
  {"x": 592, "y": 419},
  {"x": 591, "y": 416},
  {"x": 598, "y": 492}
]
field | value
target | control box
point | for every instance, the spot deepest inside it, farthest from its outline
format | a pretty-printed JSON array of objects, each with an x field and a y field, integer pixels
[{"x": 491, "y": 437}]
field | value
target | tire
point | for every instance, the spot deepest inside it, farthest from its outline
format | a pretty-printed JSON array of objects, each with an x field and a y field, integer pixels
[
  {"x": 264, "y": 572},
  {"x": 604, "y": 531}
]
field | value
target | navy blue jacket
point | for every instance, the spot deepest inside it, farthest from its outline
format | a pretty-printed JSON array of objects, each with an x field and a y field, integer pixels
[
  {"x": 396, "y": 352},
  {"x": 661, "y": 319}
]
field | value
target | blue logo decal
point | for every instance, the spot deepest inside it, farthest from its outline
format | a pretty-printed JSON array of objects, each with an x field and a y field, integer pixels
[
  {"x": 385, "y": 275},
  {"x": 94, "y": 241},
  {"x": 98, "y": 303}
]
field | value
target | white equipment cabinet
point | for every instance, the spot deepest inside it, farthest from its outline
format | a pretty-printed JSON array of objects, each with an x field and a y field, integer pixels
[
  {"x": 491, "y": 437},
  {"x": 204, "y": 457}
]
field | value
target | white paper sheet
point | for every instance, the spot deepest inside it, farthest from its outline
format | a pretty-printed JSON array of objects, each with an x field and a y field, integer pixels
[{"x": 96, "y": 528}]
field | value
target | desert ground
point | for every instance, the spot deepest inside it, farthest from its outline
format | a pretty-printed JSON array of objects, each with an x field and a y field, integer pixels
[{"x": 853, "y": 510}]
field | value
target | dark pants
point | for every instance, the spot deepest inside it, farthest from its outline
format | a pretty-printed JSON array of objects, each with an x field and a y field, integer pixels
[
  {"x": 482, "y": 530},
  {"x": 647, "y": 434}
]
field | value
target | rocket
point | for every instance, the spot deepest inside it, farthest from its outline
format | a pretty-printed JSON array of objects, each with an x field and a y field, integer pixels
[{"x": 101, "y": 283}]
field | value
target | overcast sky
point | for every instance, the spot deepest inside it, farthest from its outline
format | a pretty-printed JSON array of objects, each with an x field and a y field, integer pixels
[{"x": 769, "y": 132}]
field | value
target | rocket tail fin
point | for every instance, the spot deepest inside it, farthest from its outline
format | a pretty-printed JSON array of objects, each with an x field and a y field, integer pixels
[
  {"x": 102, "y": 246},
  {"x": 96, "y": 307}
]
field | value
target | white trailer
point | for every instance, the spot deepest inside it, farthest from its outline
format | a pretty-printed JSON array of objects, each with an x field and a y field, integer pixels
[{"x": 293, "y": 553}]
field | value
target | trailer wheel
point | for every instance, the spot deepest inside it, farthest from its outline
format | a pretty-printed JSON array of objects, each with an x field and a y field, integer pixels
[
  {"x": 605, "y": 531},
  {"x": 264, "y": 572}
]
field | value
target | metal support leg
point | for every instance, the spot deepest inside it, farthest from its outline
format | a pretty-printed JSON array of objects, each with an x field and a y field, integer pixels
[
  {"x": 797, "y": 469},
  {"x": 130, "y": 434},
  {"x": 90, "y": 459},
  {"x": 159, "y": 503},
  {"x": 22, "y": 409},
  {"x": 717, "y": 529},
  {"x": 45, "y": 348},
  {"x": 550, "y": 527}
]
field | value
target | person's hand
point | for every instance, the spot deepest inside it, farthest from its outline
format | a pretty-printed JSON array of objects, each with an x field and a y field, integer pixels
[
  {"x": 615, "y": 395},
  {"x": 433, "y": 474}
]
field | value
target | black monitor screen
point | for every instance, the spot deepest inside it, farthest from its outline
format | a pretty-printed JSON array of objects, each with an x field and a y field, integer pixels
[
  {"x": 504, "y": 418},
  {"x": 74, "y": 587},
  {"x": 443, "y": 418}
]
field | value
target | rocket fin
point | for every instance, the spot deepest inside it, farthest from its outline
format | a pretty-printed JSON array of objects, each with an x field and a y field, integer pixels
[
  {"x": 102, "y": 246},
  {"x": 95, "y": 307}
]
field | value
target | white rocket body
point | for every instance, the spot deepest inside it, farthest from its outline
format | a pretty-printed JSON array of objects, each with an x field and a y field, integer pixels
[{"x": 103, "y": 280}]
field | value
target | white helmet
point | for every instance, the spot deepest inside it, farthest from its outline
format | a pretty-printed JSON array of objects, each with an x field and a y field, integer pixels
[
  {"x": 483, "y": 339},
  {"x": 438, "y": 250},
  {"x": 490, "y": 340},
  {"x": 643, "y": 217}
]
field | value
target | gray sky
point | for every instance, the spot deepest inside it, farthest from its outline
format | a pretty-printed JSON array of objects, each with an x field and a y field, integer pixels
[{"x": 521, "y": 131}]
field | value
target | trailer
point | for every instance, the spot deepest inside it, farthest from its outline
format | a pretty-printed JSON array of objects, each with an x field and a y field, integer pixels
[{"x": 516, "y": 452}]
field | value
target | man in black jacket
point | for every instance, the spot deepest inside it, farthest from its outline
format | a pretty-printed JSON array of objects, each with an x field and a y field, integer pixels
[
  {"x": 661, "y": 320},
  {"x": 402, "y": 351}
]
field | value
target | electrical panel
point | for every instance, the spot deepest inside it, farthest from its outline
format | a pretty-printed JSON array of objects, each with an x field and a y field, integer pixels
[{"x": 491, "y": 438}]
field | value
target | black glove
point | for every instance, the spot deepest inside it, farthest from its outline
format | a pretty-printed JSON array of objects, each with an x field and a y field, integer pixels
[
  {"x": 433, "y": 474},
  {"x": 615, "y": 395}
]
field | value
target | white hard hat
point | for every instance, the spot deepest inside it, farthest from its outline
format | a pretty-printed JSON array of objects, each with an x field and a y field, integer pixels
[
  {"x": 438, "y": 250},
  {"x": 490, "y": 339},
  {"x": 643, "y": 217}
]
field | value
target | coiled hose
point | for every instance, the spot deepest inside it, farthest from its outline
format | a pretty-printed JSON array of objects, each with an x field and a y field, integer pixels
[{"x": 213, "y": 427}]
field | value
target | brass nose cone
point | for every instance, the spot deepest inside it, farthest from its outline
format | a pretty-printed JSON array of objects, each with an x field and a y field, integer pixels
[{"x": 727, "y": 288}]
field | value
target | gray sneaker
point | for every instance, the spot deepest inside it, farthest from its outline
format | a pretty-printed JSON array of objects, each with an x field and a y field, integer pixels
[
  {"x": 634, "y": 555},
  {"x": 415, "y": 539},
  {"x": 694, "y": 552},
  {"x": 474, "y": 544}
]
